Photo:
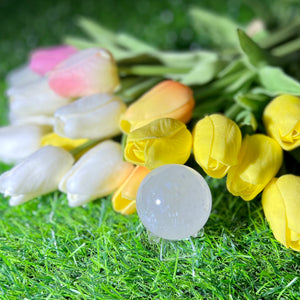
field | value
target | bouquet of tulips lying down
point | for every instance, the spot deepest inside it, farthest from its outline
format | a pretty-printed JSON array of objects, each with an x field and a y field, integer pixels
[{"x": 94, "y": 116}]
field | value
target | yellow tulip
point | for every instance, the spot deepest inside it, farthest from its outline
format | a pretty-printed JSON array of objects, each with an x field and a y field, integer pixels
[
  {"x": 163, "y": 141},
  {"x": 216, "y": 144},
  {"x": 260, "y": 158},
  {"x": 281, "y": 118},
  {"x": 55, "y": 140},
  {"x": 124, "y": 199},
  {"x": 281, "y": 205},
  {"x": 168, "y": 99}
]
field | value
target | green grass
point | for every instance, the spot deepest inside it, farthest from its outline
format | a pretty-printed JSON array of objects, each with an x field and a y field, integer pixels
[{"x": 51, "y": 251}]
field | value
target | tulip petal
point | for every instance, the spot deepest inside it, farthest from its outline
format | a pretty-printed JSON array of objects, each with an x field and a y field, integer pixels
[
  {"x": 160, "y": 142},
  {"x": 216, "y": 144},
  {"x": 18, "y": 142},
  {"x": 259, "y": 160},
  {"x": 97, "y": 173},
  {"x": 168, "y": 99},
  {"x": 274, "y": 209},
  {"x": 86, "y": 72},
  {"x": 38, "y": 174},
  {"x": 291, "y": 199},
  {"x": 53, "y": 139},
  {"x": 281, "y": 118},
  {"x": 124, "y": 199},
  {"x": 93, "y": 117},
  {"x": 45, "y": 59}
]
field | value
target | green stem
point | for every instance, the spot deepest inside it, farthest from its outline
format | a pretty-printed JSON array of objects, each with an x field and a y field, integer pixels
[
  {"x": 152, "y": 70},
  {"x": 280, "y": 35},
  {"x": 232, "y": 111},
  {"x": 136, "y": 90},
  {"x": 287, "y": 48},
  {"x": 83, "y": 147}
]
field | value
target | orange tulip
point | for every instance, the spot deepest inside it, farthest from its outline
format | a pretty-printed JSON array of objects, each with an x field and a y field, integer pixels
[
  {"x": 168, "y": 99},
  {"x": 124, "y": 199}
]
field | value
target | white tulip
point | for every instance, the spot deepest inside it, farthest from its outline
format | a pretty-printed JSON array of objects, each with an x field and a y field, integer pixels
[
  {"x": 33, "y": 100},
  {"x": 97, "y": 173},
  {"x": 18, "y": 142},
  {"x": 21, "y": 76},
  {"x": 37, "y": 175},
  {"x": 92, "y": 117}
]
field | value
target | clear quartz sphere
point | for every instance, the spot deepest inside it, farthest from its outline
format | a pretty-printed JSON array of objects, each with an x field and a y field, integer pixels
[{"x": 173, "y": 202}]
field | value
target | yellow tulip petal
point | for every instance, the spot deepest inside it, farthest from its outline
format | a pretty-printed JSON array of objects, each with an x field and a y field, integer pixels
[
  {"x": 160, "y": 142},
  {"x": 216, "y": 144},
  {"x": 281, "y": 118},
  {"x": 289, "y": 187},
  {"x": 168, "y": 99},
  {"x": 124, "y": 199},
  {"x": 53, "y": 139},
  {"x": 274, "y": 209},
  {"x": 259, "y": 160}
]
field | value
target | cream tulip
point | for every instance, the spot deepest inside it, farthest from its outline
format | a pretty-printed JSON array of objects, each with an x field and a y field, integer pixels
[
  {"x": 34, "y": 101},
  {"x": 37, "y": 175},
  {"x": 98, "y": 173},
  {"x": 84, "y": 73},
  {"x": 18, "y": 142},
  {"x": 92, "y": 117}
]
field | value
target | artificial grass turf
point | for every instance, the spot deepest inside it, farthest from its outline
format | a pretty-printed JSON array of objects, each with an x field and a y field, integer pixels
[{"x": 51, "y": 251}]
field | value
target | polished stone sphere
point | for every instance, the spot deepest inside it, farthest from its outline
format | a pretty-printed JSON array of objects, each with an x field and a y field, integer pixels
[{"x": 173, "y": 202}]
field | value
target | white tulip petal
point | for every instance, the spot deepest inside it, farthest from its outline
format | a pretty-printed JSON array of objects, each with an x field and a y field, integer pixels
[
  {"x": 97, "y": 173},
  {"x": 18, "y": 142},
  {"x": 34, "y": 99},
  {"x": 38, "y": 174},
  {"x": 93, "y": 117},
  {"x": 21, "y": 76}
]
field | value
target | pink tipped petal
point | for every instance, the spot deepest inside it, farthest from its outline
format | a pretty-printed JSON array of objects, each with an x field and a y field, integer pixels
[
  {"x": 87, "y": 72},
  {"x": 45, "y": 59}
]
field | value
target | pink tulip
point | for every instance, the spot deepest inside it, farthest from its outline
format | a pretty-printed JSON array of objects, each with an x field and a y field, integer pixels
[
  {"x": 87, "y": 72},
  {"x": 45, "y": 59}
]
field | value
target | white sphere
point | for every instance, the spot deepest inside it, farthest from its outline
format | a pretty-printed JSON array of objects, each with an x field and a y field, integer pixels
[{"x": 174, "y": 202}]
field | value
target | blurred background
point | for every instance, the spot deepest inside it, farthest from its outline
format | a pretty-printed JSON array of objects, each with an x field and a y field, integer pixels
[
  {"x": 166, "y": 24},
  {"x": 25, "y": 25}
]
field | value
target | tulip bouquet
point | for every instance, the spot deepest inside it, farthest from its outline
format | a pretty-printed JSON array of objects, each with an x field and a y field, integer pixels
[{"x": 93, "y": 117}]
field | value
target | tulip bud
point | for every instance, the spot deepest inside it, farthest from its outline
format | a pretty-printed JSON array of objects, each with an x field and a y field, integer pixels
[
  {"x": 53, "y": 139},
  {"x": 86, "y": 72},
  {"x": 96, "y": 174},
  {"x": 163, "y": 141},
  {"x": 281, "y": 205},
  {"x": 18, "y": 142},
  {"x": 21, "y": 76},
  {"x": 259, "y": 160},
  {"x": 281, "y": 118},
  {"x": 37, "y": 175},
  {"x": 216, "y": 144},
  {"x": 45, "y": 59},
  {"x": 168, "y": 99},
  {"x": 93, "y": 117},
  {"x": 34, "y": 100},
  {"x": 124, "y": 199}
]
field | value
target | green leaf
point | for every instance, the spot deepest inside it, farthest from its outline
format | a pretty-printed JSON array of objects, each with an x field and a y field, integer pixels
[
  {"x": 234, "y": 66},
  {"x": 252, "y": 102},
  {"x": 219, "y": 30},
  {"x": 133, "y": 44},
  {"x": 184, "y": 59},
  {"x": 247, "y": 119},
  {"x": 275, "y": 81},
  {"x": 203, "y": 72},
  {"x": 255, "y": 54}
]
